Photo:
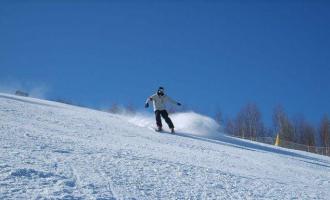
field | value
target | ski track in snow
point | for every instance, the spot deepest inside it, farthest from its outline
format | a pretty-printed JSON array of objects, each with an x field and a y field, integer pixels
[{"x": 50, "y": 150}]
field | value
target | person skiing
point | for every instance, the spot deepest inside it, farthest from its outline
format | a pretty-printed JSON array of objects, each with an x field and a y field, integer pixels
[{"x": 159, "y": 101}]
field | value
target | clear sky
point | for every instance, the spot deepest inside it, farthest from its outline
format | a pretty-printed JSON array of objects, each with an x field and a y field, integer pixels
[{"x": 208, "y": 55}]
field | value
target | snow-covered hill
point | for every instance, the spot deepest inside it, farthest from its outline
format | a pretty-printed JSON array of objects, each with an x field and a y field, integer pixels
[{"x": 50, "y": 150}]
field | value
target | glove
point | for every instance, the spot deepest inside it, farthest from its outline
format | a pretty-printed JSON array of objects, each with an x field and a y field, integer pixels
[
  {"x": 146, "y": 105},
  {"x": 179, "y": 104}
]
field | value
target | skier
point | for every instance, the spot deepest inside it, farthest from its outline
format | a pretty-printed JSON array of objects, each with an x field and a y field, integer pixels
[{"x": 159, "y": 103}]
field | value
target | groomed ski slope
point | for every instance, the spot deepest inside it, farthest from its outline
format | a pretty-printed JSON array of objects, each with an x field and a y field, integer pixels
[{"x": 50, "y": 150}]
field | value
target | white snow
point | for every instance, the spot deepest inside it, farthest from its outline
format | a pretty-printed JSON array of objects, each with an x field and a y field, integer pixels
[{"x": 50, "y": 150}]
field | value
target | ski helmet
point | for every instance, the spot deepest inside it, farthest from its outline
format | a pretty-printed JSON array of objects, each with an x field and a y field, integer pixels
[{"x": 160, "y": 91}]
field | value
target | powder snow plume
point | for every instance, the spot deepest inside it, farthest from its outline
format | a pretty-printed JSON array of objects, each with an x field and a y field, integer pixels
[{"x": 185, "y": 122}]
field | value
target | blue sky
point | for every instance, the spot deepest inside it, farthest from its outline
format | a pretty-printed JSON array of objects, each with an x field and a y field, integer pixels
[{"x": 208, "y": 55}]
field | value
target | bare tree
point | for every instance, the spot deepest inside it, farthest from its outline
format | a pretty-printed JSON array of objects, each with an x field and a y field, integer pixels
[
  {"x": 282, "y": 125},
  {"x": 114, "y": 108},
  {"x": 304, "y": 132},
  {"x": 130, "y": 108},
  {"x": 248, "y": 122},
  {"x": 308, "y": 134},
  {"x": 325, "y": 131},
  {"x": 219, "y": 118},
  {"x": 230, "y": 127},
  {"x": 298, "y": 122}
]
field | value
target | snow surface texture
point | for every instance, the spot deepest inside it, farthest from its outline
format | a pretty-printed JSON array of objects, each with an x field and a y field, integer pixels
[{"x": 50, "y": 150}]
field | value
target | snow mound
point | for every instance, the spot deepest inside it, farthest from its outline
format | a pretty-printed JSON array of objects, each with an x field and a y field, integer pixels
[{"x": 185, "y": 122}]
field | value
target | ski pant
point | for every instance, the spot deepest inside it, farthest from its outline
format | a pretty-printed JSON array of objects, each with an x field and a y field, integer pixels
[{"x": 164, "y": 114}]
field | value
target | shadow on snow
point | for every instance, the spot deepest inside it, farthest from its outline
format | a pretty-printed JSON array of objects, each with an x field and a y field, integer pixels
[{"x": 251, "y": 146}]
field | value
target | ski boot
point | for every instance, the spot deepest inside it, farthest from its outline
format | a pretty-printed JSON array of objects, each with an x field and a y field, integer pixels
[{"x": 159, "y": 129}]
